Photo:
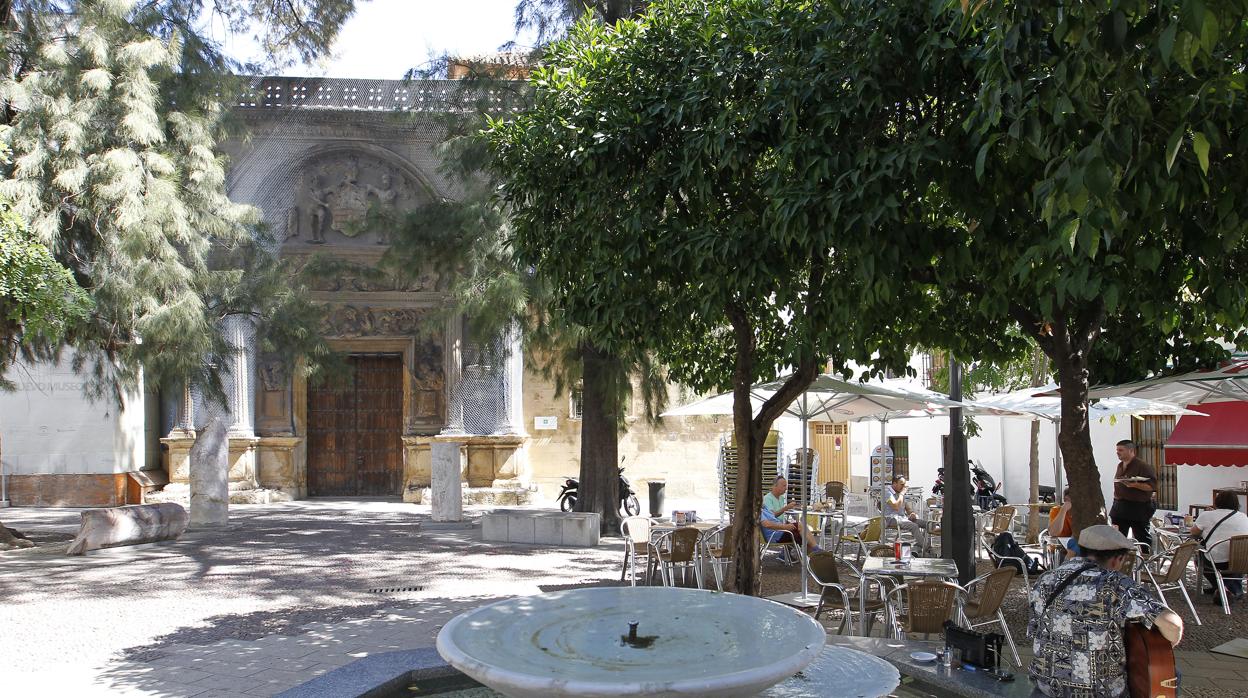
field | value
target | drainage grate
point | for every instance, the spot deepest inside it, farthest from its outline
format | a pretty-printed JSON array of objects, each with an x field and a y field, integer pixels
[{"x": 395, "y": 590}]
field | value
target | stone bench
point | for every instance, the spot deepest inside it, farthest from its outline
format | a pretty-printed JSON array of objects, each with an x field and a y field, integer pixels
[
  {"x": 577, "y": 529},
  {"x": 142, "y": 523}
]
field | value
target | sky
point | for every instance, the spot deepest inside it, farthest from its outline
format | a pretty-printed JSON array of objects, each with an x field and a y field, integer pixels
[{"x": 385, "y": 38}]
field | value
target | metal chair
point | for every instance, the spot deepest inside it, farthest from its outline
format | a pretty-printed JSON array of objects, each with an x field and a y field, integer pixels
[
  {"x": 636, "y": 533},
  {"x": 824, "y": 569},
  {"x": 871, "y": 532},
  {"x": 786, "y": 541},
  {"x": 922, "y": 607},
  {"x": 986, "y": 609},
  {"x": 717, "y": 551},
  {"x": 1130, "y": 565},
  {"x": 678, "y": 548},
  {"x": 1170, "y": 570},
  {"x": 994, "y": 523},
  {"x": 834, "y": 491},
  {"x": 1236, "y": 566}
]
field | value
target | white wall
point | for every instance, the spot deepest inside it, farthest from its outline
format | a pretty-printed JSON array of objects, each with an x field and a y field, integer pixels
[
  {"x": 1197, "y": 482},
  {"x": 49, "y": 427},
  {"x": 1002, "y": 448}
]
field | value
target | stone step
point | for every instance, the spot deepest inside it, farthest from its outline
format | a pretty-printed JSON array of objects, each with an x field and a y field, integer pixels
[{"x": 498, "y": 495}]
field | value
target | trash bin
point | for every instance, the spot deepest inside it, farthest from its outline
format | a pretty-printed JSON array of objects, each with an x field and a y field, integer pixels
[{"x": 656, "y": 498}]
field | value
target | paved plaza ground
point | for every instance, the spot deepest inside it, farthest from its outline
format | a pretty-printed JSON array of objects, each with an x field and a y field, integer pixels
[{"x": 290, "y": 591}]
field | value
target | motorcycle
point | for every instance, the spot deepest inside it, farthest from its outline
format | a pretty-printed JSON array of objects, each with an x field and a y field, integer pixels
[
  {"x": 628, "y": 498},
  {"x": 987, "y": 489}
]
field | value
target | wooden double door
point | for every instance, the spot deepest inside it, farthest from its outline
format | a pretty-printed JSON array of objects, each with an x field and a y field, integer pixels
[{"x": 355, "y": 429}]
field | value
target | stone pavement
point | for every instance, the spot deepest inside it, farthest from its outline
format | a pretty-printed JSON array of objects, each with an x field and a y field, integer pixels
[{"x": 285, "y": 594}]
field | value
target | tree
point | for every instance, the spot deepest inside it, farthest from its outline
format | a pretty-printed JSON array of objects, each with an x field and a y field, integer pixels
[
  {"x": 38, "y": 298},
  {"x": 1104, "y": 210},
  {"x": 114, "y": 112},
  {"x": 708, "y": 205},
  {"x": 496, "y": 295}
]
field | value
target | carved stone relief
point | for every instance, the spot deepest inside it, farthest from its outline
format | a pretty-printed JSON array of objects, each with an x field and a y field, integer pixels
[
  {"x": 333, "y": 196},
  {"x": 350, "y": 321}
]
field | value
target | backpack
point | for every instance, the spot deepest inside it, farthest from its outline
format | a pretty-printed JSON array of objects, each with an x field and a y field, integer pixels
[{"x": 1004, "y": 546}]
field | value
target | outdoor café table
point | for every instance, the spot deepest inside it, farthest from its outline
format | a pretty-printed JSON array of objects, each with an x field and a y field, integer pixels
[
  {"x": 922, "y": 567},
  {"x": 662, "y": 526}
]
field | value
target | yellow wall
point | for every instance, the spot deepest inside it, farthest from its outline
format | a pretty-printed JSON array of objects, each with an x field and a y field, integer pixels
[{"x": 682, "y": 450}]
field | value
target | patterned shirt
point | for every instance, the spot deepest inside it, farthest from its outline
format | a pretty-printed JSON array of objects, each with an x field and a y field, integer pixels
[{"x": 1078, "y": 640}]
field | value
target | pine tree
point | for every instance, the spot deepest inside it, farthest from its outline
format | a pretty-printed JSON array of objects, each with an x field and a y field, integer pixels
[{"x": 113, "y": 112}]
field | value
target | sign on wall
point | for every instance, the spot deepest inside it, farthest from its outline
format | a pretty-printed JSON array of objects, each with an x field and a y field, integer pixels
[{"x": 545, "y": 423}]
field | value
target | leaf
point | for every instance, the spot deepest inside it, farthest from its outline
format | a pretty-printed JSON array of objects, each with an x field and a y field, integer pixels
[
  {"x": 1201, "y": 145},
  {"x": 1172, "y": 148},
  {"x": 1098, "y": 177},
  {"x": 1166, "y": 44}
]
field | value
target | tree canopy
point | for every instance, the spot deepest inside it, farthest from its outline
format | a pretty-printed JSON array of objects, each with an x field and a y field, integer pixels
[{"x": 115, "y": 113}]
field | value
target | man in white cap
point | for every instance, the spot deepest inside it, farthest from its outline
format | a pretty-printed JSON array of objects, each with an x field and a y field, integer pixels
[{"x": 1078, "y": 615}]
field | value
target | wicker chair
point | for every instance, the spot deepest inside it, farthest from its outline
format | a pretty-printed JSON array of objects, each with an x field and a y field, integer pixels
[
  {"x": 1236, "y": 565},
  {"x": 636, "y": 532},
  {"x": 922, "y": 607},
  {"x": 996, "y": 522},
  {"x": 1167, "y": 572},
  {"x": 986, "y": 609},
  {"x": 678, "y": 548},
  {"x": 1130, "y": 565},
  {"x": 825, "y": 570},
  {"x": 717, "y": 551}
]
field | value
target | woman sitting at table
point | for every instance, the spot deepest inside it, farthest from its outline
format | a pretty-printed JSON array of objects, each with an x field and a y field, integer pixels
[
  {"x": 1224, "y": 521},
  {"x": 1061, "y": 525}
]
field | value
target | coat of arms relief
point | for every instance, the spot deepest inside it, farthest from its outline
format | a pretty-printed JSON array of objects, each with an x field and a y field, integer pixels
[{"x": 334, "y": 195}]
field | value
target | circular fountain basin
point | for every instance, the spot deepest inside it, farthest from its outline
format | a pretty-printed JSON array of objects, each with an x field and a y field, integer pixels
[{"x": 577, "y": 643}]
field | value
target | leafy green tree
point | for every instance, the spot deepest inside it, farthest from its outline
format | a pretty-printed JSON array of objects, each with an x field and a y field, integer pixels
[
  {"x": 38, "y": 298},
  {"x": 701, "y": 205},
  {"x": 469, "y": 235},
  {"x": 1101, "y": 187}
]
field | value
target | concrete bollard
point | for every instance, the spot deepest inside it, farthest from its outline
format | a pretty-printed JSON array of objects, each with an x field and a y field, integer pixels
[{"x": 141, "y": 523}]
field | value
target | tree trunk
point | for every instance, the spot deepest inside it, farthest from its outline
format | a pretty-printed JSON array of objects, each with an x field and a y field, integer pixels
[
  {"x": 957, "y": 524},
  {"x": 1075, "y": 440},
  {"x": 751, "y": 434},
  {"x": 599, "y": 489},
  {"x": 9, "y": 541}
]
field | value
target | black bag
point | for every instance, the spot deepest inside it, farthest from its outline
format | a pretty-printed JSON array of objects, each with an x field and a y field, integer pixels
[
  {"x": 979, "y": 649},
  {"x": 1004, "y": 546}
]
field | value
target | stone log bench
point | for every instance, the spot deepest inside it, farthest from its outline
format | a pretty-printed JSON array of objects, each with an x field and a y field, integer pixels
[
  {"x": 141, "y": 523},
  {"x": 539, "y": 527}
]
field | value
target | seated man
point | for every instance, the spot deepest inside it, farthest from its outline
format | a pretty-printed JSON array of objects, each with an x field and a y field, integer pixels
[
  {"x": 898, "y": 511},
  {"x": 776, "y": 530},
  {"x": 775, "y": 500},
  {"x": 1078, "y": 615}
]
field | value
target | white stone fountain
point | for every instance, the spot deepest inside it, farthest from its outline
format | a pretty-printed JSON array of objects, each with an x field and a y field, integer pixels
[{"x": 631, "y": 641}]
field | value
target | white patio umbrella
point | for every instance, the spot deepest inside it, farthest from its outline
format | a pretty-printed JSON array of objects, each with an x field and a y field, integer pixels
[
  {"x": 1226, "y": 383},
  {"x": 828, "y": 399},
  {"x": 1044, "y": 403}
]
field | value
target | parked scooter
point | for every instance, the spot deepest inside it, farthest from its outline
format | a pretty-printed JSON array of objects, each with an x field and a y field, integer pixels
[
  {"x": 629, "y": 505},
  {"x": 987, "y": 489},
  {"x": 1048, "y": 493}
]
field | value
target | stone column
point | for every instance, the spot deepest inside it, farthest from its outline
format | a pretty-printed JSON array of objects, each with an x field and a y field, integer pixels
[
  {"x": 514, "y": 368},
  {"x": 447, "y": 492},
  {"x": 210, "y": 490},
  {"x": 453, "y": 368},
  {"x": 184, "y": 428},
  {"x": 240, "y": 333},
  {"x": 445, "y": 475}
]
